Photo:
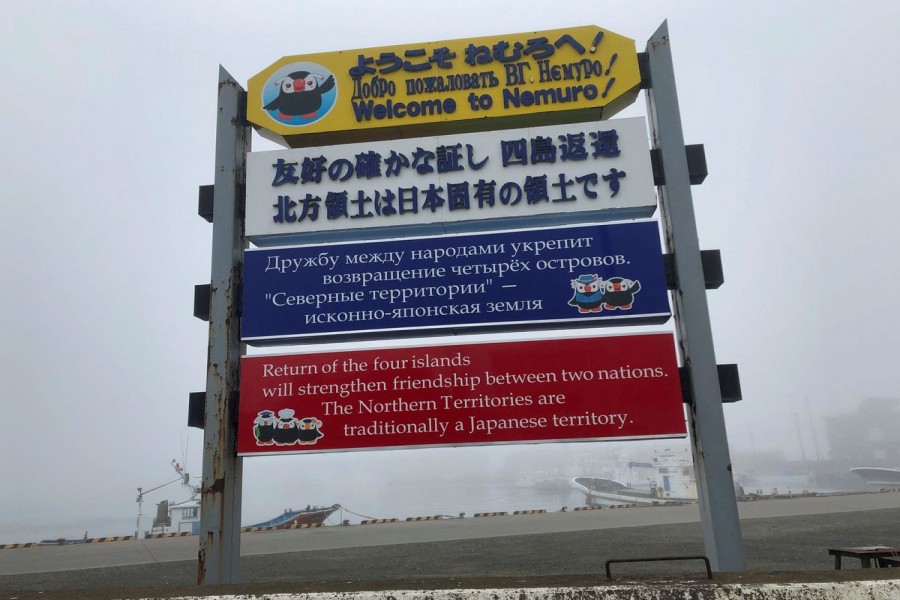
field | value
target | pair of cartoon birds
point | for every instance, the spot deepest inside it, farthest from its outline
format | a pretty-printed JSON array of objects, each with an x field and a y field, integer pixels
[
  {"x": 593, "y": 294},
  {"x": 300, "y": 94}
]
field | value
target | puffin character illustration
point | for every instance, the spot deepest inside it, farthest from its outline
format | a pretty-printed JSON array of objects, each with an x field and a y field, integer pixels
[
  {"x": 286, "y": 428},
  {"x": 264, "y": 428},
  {"x": 588, "y": 295},
  {"x": 619, "y": 292},
  {"x": 300, "y": 94},
  {"x": 308, "y": 430}
]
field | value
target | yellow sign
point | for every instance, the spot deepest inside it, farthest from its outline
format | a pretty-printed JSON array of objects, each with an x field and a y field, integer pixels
[{"x": 500, "y": 82}]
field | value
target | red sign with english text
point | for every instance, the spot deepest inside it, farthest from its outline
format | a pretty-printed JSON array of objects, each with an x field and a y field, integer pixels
[{"x": 571, "y": 389}]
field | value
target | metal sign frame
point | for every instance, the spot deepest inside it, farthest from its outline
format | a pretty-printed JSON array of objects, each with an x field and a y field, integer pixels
[
  {"x": 706, "y": 419},
  {"x": 219, "y": 552},
  {"x": 218, "y": 559}
]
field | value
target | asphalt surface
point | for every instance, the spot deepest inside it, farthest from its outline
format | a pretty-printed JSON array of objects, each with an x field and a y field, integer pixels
[{"x": 781, "y": 548}]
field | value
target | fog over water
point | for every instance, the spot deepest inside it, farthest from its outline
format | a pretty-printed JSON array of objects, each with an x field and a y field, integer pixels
[{"x": 110, "y": 128}]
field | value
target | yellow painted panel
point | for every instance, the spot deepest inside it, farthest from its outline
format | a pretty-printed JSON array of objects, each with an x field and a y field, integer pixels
[{"x": 496, "y": 82}]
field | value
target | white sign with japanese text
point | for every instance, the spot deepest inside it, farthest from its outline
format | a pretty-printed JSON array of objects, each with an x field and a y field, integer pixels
[{"x": 592, "y": 171}]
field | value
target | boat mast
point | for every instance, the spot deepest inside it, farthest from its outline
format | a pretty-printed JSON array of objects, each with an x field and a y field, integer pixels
[{"x": 183, "y": 478}]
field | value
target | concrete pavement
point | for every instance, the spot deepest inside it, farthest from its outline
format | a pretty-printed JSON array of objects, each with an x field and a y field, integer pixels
[{"x": 118, "y": 554}]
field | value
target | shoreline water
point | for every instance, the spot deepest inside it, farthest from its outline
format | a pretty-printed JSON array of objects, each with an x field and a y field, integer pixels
[{"x": 399, "y": 500}]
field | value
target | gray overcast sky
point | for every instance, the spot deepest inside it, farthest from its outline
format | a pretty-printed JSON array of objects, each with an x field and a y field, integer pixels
[{"x": 108, "y": 129}]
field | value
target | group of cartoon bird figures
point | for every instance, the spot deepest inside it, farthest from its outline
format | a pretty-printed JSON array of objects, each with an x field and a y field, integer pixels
[{"x": 285, "y": 429}]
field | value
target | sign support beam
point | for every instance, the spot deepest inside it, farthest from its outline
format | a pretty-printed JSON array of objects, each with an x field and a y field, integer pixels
[
  {"x": 715, "y": 484},
  {"x": 220, "y": 502}
]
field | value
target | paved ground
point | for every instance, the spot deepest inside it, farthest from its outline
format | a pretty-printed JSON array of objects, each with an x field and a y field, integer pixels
[{"x": 777, "y": 548}]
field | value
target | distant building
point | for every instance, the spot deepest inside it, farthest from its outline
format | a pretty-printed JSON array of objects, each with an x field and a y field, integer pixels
[
  {"x": 184, "y": 516},
  {"x": 868, "y": 436}
]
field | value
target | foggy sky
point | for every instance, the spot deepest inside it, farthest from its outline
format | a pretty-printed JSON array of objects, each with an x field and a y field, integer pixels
[{"x": 109, "y": 128}]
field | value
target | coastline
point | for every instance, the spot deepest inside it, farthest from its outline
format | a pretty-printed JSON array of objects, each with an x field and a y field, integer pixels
[{"x": 780, "y": 536}]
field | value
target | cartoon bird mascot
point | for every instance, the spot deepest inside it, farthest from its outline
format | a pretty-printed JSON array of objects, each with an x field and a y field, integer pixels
[
  {"x": 264, "y": 428},
  {"x": 300, "y": 94},
  {"x": 286, "y": 428},
  {"x": 308, "y": 430},
  {"x": 619, "y": 292},
  {"x": 588, "y": 293}
]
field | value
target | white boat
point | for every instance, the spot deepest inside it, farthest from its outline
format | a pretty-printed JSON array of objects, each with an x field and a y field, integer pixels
[
  {"x": 668, "y": 479},
  {"x": 599, "y": 489},
  {"x": 882, "y": 477},
  {"x": 175, "y": 517}
]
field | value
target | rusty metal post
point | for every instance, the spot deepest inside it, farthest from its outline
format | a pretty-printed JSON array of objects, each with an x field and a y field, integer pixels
[
  {"x": 715, "y": 484},
  {"x": 220, "y": 502}
]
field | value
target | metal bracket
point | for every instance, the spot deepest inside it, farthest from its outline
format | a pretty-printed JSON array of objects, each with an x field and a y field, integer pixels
[
  {"x": 197, "y": 410},
  {"x": 241, "y": 191},
  {"x": 202, "y": 293},
  {"x": 235, "y": 410},
  {"x": 696, "y": 158},
  {"x": 711, "y": 261},
  {"x": 644, "y": 67},
  {"x": 696, "y": 161},
  {"x": 201, "y": 301},
  {"x": 657, "y": 559},
  {"x": 729, "y": 384},
  {"x": 205, "y": 201}
]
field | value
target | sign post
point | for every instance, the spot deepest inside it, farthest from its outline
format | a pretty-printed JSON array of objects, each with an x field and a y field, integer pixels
[
  {"x": 220, "y": 500},
  {"x": 459, "y": 394},
  {"x": 715, "y": 484}
]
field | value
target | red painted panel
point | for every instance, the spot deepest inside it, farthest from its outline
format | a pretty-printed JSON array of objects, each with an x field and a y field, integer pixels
[{"x": 613, "y": 387}]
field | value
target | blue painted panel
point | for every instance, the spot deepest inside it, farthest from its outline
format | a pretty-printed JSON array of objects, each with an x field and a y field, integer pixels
[{"x": 512, "y": 280}]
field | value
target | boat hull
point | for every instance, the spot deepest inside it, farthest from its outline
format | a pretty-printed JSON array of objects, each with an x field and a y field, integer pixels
[
  {"x": 609, "y": 490},
  {"x": 308, "y": 517},
  {"x": 879, "y": 476}
]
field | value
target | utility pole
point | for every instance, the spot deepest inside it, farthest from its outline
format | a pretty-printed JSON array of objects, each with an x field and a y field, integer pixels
[
  {"x": 800, "y": 440},
  {"x": 812, "y": 428}
]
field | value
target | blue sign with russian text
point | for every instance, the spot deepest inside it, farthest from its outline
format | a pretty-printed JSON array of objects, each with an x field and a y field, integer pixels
[{"x": 514, "y": 280}]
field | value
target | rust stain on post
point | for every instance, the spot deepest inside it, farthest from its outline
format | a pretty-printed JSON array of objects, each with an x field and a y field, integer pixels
[
  {"x": 201, "y": 561},
  {"x": 220, "y": 494}
]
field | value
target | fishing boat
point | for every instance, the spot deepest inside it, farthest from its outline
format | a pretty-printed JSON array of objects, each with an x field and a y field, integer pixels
[
  {"x": 606, "y": 491},
  {"x": 183, "y": 517},
  {"x": 668, "y": 479},
  {"x": 881, "y": 477},
  {"x": 309, "y": 516}
]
